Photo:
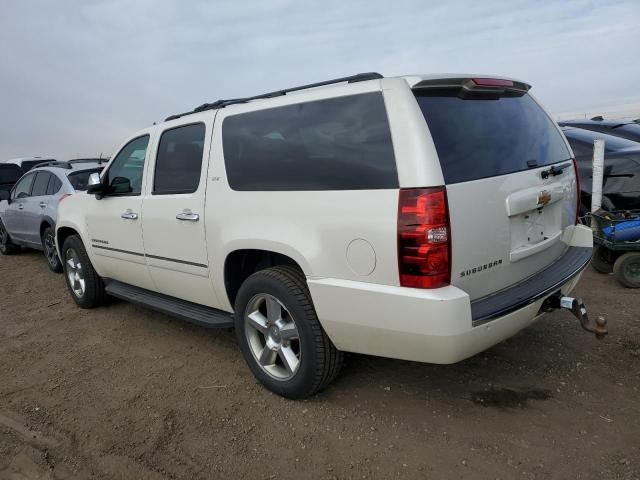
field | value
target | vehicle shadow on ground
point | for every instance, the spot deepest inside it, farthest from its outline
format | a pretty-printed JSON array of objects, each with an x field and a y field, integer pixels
[{"x": 507, "y": 375}]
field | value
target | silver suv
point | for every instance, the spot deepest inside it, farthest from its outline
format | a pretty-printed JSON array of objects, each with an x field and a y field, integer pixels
[{"x": 29, "y": 211}]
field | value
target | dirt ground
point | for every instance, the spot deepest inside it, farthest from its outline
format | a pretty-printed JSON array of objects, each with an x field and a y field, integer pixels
[{"x": 121, "y": 392}]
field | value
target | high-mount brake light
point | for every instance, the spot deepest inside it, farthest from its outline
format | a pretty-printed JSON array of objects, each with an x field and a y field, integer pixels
[
  {"x": 492, "y": 82},
  {"x": 424, "y": 238}
]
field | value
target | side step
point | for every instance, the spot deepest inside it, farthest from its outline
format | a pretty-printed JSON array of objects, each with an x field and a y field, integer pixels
[{"x": 191, "y": 312}]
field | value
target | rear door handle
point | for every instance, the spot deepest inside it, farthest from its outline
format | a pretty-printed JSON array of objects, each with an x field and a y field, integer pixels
[
  {"x": 129, "y": 215},
  {"x": 43, "y": 204},
  {"x": 188, "y": 216}
]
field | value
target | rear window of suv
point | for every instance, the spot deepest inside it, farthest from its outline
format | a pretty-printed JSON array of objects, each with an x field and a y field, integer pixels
[
  {"x": 340, "y": 143},
  {"x": 480, "y": 138}
]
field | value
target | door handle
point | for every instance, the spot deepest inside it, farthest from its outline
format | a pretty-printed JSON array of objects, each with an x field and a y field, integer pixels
[
  {"x": 129, "y": 215},
  {"x": 20, "y": 206},
  {"x": 188, "y": 215},
  {"x": 43, "y": 204}
]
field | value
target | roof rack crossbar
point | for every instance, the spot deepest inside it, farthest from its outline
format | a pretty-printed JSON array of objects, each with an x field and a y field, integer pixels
[{"x": 360, "y": 77}]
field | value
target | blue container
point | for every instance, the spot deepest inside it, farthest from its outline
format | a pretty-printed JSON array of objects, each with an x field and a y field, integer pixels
[{"x": 628, "y": 231}]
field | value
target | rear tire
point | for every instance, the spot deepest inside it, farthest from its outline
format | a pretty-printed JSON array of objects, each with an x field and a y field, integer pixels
[
  {"x": 280, "y": 336},
  {"x": 6, "y": 247},
  {"x": 84, "y": 284},
  {"x": 600, "y": 260},
  {"x": 49, "y": 249},
  {"x": 627, "y": 269}
]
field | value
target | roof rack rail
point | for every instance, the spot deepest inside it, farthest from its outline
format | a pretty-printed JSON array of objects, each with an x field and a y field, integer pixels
[
  {"x": 54, "y": 163},
  {"x": 88, "y": 160},
  {"x": 360, "y": 77}
]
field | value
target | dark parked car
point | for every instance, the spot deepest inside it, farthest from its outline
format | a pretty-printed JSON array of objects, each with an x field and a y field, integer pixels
[
  {"x": 620, "y": 128},
  {"x": 621, "y": 185},
  {"x": 9, "y": 175}
]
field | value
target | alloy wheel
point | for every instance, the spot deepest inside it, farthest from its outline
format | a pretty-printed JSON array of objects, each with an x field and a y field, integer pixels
[
  {"x": 75, "y": 273},
  {"x": 50, "y": 250},
  {"x": 272, "y": 336}
]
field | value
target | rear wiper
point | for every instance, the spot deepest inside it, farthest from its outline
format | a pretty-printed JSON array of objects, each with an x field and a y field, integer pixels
[{"x": 555, "y": 170}]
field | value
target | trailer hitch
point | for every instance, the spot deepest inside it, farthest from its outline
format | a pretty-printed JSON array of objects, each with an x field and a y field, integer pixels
[{"x": 577, "y": 308}]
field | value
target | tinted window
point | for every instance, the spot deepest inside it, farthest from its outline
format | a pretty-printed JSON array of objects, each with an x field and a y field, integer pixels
[
  {"x": 124, "y": 176},
  {"x": 338, "y": 144},
  {"x": 55, "y": 184},
  {"x": 10, "y": 173},
  {"x": 479, "y": 138},
  {"x": 179, "y": 160},
  {"x": 40, "y": 184},
  {"x": 23, "y": 187},
  {"x": 80, "y": 180}
]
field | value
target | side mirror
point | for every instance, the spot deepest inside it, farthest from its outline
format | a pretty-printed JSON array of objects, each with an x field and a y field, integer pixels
[
  {"x": 94, "y": 185},
  {"x": 5, "y": 195},
  {"x": 94, "y": 179},
  {"x": 120, "y": 185}
]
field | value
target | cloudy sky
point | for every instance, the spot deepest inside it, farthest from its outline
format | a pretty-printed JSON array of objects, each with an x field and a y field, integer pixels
[{"x": 77, "y": 77}]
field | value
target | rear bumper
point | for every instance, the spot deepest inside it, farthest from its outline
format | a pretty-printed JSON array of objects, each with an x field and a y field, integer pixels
[{"x": 441, "y": 325}]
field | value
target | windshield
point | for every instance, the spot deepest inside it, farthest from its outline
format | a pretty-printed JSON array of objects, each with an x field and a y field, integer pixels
[
  {"x": 80, "y": 180},
  {"x": 480, "y": 138}
]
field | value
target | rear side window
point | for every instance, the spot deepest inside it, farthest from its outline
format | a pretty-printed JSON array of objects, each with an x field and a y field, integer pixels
[
  {"x": 336, "y": 144},
  {"x": 40, "y": 184},
  {"x": 80, "y": 180},
  {"x": 179, "y": 160},
  {"x": 480, "y": 138},
  {"x": 55, "y": 184}
]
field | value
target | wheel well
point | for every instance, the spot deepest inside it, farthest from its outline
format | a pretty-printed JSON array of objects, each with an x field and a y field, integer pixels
[
  {"x": 43, "y": 227},
  {"x": 62, "y": 235},
  {"x": 239, "y": 265}
]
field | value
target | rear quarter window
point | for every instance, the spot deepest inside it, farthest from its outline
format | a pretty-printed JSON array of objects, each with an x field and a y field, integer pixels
[
  {"x": 480, "y": 138},
  {"x": 335, "y": 144}
]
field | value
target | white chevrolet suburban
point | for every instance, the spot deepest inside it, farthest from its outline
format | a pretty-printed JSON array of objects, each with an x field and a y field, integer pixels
[{"x": 424, "y": 218}]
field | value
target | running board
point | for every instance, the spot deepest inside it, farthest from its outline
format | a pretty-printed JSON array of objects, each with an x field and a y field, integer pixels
[{"x": 191, "y": 312}]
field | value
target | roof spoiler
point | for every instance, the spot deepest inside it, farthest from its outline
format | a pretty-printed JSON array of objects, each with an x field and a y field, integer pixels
[{"x": 477, "y": 87}]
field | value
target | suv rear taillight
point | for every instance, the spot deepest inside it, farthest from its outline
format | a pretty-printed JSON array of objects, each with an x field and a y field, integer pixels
[
  {"x": 578, "y": 194},
  {"x": 424, "y": 238}
]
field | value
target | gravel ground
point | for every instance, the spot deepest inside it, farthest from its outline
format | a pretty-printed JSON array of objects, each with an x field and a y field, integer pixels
[{"x": 122, "y": 392}]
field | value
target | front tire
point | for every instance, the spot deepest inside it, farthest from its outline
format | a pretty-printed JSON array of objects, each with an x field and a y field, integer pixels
[
  {"x": 84, "y": 284},
  {"x": 49, "y": 249},
  {"x": 280, "y": 336}
]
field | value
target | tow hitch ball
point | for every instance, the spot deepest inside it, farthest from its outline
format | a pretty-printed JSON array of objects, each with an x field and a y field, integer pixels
[{"x": 577, "y": 308}]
